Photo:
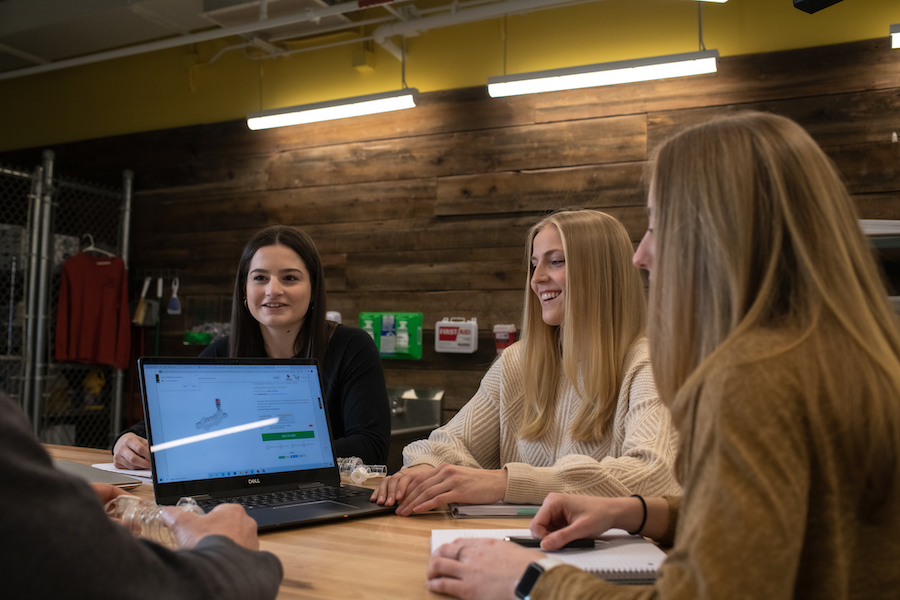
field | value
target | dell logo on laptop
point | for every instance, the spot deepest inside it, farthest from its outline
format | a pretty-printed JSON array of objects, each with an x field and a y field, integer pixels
[{"x": 255, "y": 480}]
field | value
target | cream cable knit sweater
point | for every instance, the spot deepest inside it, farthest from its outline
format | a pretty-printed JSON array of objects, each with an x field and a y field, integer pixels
[{"x": 636, "y": 458}]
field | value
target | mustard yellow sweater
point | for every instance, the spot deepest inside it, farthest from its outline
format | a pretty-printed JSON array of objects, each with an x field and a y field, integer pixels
[
  {"x": 774, "y": 505},
  {"x": 637, "y": 457}
]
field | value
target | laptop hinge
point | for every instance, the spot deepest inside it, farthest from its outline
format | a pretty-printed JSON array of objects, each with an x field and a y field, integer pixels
[{"x": 314, "y": 484}]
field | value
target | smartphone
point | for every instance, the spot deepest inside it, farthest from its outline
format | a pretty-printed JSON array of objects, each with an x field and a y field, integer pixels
[{"x": 529, "y": 542}]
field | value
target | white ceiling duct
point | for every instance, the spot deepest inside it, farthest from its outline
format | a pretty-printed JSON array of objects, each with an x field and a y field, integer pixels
[{"x": 25, "y": 23}]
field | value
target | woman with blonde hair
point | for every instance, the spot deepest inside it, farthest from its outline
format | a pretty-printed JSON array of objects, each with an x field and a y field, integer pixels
[
  {"x": 776, "y": 348},
  {"x": 570, "y": 407}
]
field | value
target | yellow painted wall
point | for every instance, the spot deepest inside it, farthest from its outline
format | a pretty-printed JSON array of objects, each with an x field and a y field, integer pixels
[{"x": 176, "y": 87}]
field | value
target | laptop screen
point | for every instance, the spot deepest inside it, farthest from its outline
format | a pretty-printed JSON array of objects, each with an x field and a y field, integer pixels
[{"x": 199, "y": 399}]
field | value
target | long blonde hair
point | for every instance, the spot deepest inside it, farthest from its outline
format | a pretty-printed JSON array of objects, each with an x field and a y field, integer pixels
[
  {"x": 605, "y": 311},
  {"x": 754, "y": 230}
]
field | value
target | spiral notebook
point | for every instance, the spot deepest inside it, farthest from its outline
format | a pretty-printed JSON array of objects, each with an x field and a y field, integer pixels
[{"x": 617, "y": 556}]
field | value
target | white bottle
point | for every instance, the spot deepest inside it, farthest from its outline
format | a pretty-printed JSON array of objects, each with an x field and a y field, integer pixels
[
  {"x": 368, "y": 328},
  {"x": 388, "y": 335},
  {"x": 402, "y": 343}
]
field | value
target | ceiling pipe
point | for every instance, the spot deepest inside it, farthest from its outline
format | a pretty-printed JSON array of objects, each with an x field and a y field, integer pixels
[
  {"x": 460, "y": 15},
  {"x": 215, "y": 34},
  {"x": 457, "y": 15},
  {"x": 411, "y": 26}
]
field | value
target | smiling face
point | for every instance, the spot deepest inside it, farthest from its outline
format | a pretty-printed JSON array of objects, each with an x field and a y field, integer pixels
[
  {"x": 278, "y": 289},
  {"x": 548, "y": 274}
]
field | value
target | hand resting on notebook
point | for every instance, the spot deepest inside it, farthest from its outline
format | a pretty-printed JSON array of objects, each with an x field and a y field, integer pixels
[
  {"x": 131, "y": 452},
  {"x": 479, "y": 569},
  {"x": 476, "y": 569},
  {"x": 566, "y": 517}
]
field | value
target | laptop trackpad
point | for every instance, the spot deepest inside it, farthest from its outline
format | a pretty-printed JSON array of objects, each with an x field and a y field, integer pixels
[
  {"x": 328, "y": 506},
  {"x": 291, "y": 513}
]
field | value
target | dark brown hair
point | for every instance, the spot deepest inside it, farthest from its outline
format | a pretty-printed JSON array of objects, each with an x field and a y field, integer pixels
[{"x": 312, "y": 338}]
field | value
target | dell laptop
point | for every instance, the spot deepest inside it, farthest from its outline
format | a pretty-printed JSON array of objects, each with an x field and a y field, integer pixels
[{"x": 253, "y": 431}]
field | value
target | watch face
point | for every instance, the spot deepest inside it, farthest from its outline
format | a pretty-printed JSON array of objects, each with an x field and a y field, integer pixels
[{"x": 529, "y": 578}]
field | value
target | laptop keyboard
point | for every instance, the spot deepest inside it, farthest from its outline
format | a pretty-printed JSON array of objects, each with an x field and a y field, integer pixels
[{"x": 270, "y": 499}]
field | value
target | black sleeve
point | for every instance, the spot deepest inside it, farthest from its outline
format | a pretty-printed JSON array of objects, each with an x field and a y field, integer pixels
[
  {"x": 355, "y": 393},
  {"x": 218, "y": 349},
  {"x": 57, "y": 542}
]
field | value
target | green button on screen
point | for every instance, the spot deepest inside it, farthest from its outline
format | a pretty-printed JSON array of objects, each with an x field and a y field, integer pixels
[{"x": 287, "y": 435}]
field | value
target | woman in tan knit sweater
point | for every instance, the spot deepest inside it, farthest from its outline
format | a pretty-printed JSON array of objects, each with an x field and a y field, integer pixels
[
  {"x": 777, "y": 350},
  {"x": 530, "y": 430}
]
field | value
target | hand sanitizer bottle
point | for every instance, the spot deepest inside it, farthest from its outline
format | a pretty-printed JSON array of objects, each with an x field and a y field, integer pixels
[
  {"x": 402, "y": 341},
  {"x": 388, "y": 335}
]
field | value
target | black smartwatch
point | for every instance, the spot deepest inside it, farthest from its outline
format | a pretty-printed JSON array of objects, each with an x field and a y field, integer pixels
[{"x": 531, "y": 575}]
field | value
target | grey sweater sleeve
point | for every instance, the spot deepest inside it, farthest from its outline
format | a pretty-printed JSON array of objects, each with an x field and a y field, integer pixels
[{"x": 56, "y": 540}]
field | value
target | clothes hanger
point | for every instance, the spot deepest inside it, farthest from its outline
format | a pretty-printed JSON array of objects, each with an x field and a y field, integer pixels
[{"x": 92, "y": 248}]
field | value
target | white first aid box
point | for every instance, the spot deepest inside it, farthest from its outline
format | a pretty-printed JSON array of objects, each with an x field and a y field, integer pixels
[{"x": 456, "y": 335}]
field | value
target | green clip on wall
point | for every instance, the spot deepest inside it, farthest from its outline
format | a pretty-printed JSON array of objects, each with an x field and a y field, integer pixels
[{"x": 396, "y": 334}]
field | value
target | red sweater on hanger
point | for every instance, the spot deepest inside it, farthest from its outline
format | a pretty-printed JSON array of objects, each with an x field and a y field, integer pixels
[{"x": 93, "y": 324}]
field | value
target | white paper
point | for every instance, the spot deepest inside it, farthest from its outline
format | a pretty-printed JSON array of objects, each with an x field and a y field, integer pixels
[{"x": 112, "y": 468}]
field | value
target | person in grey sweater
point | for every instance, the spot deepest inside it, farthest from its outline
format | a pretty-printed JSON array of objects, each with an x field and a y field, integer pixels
[{"x": 56, "y": 540}]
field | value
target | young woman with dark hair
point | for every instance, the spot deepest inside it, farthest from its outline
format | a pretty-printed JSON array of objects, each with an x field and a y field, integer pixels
[{"x": 278, "y": 310}]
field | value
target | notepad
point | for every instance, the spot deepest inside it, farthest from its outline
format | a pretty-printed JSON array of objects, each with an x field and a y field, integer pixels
[
  {"x": 618, "y": 556},
  {"x": 143, "y": 474}
]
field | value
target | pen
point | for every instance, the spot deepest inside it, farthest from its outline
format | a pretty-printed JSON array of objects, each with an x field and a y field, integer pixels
[{"x": 536, "y": 543}]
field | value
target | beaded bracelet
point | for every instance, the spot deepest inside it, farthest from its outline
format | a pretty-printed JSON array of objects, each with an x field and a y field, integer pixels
[{"x": 644, "y": 520}]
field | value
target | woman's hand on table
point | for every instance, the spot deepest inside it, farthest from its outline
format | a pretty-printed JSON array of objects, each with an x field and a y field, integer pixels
[
  {"x": 131, "y": 452},
  {"x": 428, "y": 488},
  {"x": 479, "y": 569},
  {"x": 565, "y": 517},
  {"x": 392, "y": 489}
]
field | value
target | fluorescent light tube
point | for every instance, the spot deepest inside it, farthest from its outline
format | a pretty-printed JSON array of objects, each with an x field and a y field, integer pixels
[
  {"x": 624, "y": 71},
  {"x": 333, "y": 109}
]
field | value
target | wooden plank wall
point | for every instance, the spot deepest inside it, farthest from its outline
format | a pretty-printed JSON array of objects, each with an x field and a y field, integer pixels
[{"x": 426, "y": 210}]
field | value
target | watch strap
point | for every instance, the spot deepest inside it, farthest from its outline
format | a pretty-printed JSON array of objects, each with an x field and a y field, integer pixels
[{"x": 532, "y": 574}]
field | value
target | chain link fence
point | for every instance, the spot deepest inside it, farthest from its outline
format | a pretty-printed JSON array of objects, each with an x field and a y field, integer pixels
[
  {"x": 16, "y": 199},
  {"x": 44, "y": 222}
]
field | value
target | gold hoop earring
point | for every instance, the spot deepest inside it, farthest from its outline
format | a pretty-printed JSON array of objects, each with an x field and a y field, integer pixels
[{"x": 245, "y": 303}]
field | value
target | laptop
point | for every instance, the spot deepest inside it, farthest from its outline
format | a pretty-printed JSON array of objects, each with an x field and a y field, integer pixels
[
  {"x": 248, "y": 430},
  {"x": 92, "y": 475}
]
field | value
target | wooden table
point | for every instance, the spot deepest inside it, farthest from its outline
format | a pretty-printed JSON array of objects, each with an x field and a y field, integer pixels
[{"x": 375, "y": 557}]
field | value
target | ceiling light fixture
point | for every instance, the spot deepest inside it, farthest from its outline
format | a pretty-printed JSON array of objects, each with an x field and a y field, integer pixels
[
  {"x": 611, "y": 73},
  {"x": 895, "y": 36},
  {"x": 334, "y": 109}
]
